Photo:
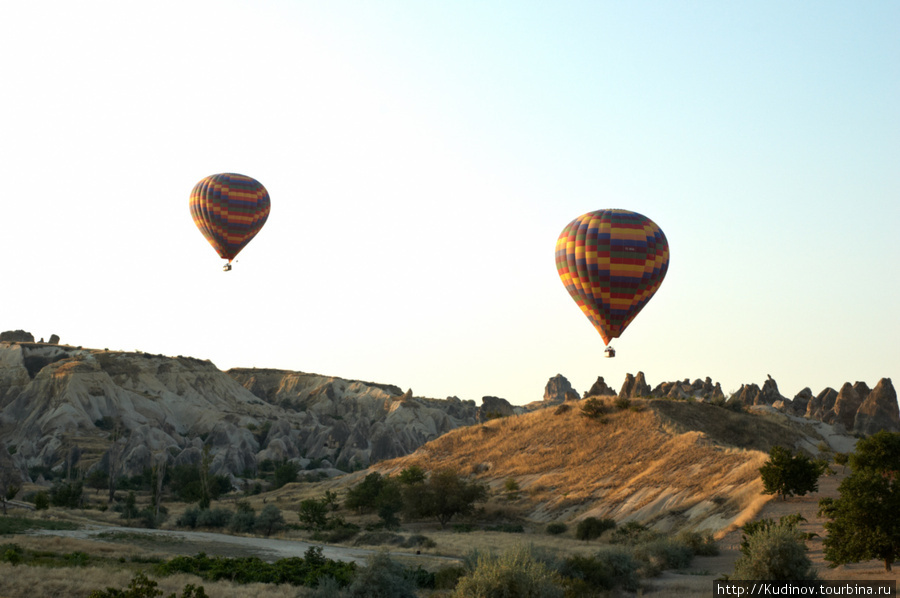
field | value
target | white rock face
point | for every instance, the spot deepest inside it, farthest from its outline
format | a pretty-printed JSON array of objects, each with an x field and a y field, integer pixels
[{"x": 54, "y": 398}]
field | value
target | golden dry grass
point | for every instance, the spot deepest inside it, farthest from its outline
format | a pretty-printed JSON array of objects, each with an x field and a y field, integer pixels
[{"x": 633, "y": 466}]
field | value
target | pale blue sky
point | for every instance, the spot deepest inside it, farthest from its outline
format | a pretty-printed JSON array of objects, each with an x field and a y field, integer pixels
[{"x": 422, "y": 158}]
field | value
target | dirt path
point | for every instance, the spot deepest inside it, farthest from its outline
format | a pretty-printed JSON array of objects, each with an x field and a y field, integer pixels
[{"x": 190, "y": 543}]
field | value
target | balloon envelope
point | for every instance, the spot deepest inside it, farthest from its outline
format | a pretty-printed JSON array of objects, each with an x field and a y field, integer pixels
[
  {"x": 612, "y": 262},
  {"x": 229, "y": 209}
]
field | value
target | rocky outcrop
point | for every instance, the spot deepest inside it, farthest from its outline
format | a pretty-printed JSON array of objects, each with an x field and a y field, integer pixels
[
  {"x": 797, "y": 406},
  {"x": 879, "y": 411},
  {"x": 599, "y": 389},
  {"x": 559, "y": 390},
  {"x": 821, "y": 404},
  {"x": 16, "y": 336},
  {"x": 634, "y": 387},
  {"x": 846, "y": 404},
  {"x": 492, "y": 407},
  {"x": 55, "y": 398}
]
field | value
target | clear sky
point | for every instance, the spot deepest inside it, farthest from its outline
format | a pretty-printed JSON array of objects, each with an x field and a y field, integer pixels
[{"x": 423, "y": 157}]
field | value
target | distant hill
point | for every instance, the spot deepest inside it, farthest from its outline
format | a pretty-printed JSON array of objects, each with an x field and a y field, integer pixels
[
  {"x": 670, "y": 464},
  {"x": 62, "y": 407}
]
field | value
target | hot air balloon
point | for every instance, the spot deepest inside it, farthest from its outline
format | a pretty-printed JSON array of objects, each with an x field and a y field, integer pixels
[
  {"x": 229, "y": 209},
  {"x": 611, "y": 263}
]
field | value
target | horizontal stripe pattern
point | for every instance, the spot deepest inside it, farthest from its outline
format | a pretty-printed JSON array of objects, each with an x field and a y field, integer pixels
[
  {"x": 229, "y": 209},
  {"x": 611, "y": 263}
]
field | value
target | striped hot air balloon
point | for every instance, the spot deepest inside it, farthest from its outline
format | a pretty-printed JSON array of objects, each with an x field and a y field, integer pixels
[
  {"x": 229, "y": 209},
  {"x": 612, "y": 262}
]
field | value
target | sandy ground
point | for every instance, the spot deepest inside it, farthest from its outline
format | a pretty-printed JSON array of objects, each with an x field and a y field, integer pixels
[{"x": 698, "y": 579}]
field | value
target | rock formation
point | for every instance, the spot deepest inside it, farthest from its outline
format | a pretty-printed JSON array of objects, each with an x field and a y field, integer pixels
[
  {"x": 559, "y": 390},
  {"x": 492, "y": 407},
  {"x": 16, "y": 336},
  {"x": 599, "y": 389},
  {"x": 879, "y": 410},
  {"x": 634, "y": 387},
  {"x": 54, "y": 398}
]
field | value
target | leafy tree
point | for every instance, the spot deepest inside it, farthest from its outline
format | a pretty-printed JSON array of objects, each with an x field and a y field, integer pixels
[
  {"x": 412, "y": 475},
  {"x": 286, "y": 473},
  {"x": 787, "y": 474},
  {"x": 66, "y": 494},
  {"x": 378, "y": 493},
  {"x": 130, "y": 510},
  {"x": 443, "y": 495},
  {"x": 10, "y": 478},
  {"x": 313, "y": 514},
  {"x": 865, "y": 519},
  {"x": 244, "y": 518},
  {"x": 269, "y": 520}
]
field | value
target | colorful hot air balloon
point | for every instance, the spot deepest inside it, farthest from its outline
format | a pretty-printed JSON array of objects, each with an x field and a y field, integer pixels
[
  {"x": 612, "y": 262},
  {"x": 229, "y": 209}
]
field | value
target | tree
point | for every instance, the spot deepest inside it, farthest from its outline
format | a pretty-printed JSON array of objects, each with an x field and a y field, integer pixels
[
  {"x": 443, "y": 495},
  {"x": 787, "y": 474},
  {"x": 269, "y": 520},
  {"x": 286, "y": 473},
  {"x": 10, "y": 478},
  {"x": 313, "y": 514},
  {"x": 865, "y": 519},
  {"x": 378, "y": 493}
]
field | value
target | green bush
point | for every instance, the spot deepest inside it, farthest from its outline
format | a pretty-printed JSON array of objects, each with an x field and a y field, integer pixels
[
  {"x": 513, "y": 573},
  {"x": 555, "y": 529},
  {"x": 382, "y": 578},
  {"x": 664, "y": 553},
  {"x": 590, "y": 528},
  {"x": 66, "y": 494},
  {"x": 610, "y": 568},
  {"x": 306, "y": 571},
  {"x": 632, "y": 533},
  {"x": 213, "y": 517},
  {"x": 188, "y": 518},
  {"x": 776, "y": 553},
  {"x": 700, "y": 544},
  {"x": 41, "y": 500}
]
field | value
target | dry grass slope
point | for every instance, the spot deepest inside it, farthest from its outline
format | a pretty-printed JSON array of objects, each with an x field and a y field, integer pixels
[{"x": 635, "y": 466}]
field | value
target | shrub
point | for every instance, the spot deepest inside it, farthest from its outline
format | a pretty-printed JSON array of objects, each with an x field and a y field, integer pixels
[
  {"x": 608, "y": 569},
  {"x": 632, "y": 533},
  {"x": 594, "y": 409},
  {"x": 514, "y": 572},
  {"x": 664, "y": 553},
  {"x": 41, "y": 500},
  {"x": 213, "y": 517},
  {"x": 776, "y": 553},
  {"x": 590, "y": 528},
  {"x": 242, "y": 521},
  {"x": 66, "y": 494},
  {"x": 555, "y": 529},
  {"x": 188, "y": 518},
  {"x": 700, "y": 544},
  {"x": 382, "y": 578},
  {"x": 622, "y": 403}
]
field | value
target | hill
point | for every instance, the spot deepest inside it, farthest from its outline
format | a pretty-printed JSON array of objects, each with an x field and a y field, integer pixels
[{"x": 667, "y": 464}]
